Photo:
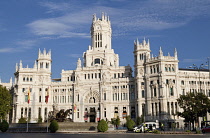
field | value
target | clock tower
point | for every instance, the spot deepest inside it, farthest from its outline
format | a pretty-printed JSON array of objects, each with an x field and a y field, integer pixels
[{"x": 100, "y": 52}]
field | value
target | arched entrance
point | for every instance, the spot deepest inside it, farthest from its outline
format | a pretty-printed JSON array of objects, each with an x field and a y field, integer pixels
[{"x": 92, "y": 114}]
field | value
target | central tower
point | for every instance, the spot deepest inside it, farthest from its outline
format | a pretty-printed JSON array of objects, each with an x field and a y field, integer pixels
[
  {"x": 101, "y": 33},
  {"x": 100, "y": 52}
]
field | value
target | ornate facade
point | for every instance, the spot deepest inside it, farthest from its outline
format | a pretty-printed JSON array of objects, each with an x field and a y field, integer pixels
[{"x": 101, "y": 89}]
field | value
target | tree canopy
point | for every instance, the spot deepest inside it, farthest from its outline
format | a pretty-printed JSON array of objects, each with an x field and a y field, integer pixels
[
  {"x": 5, "y": 102},
  {"x": 194, "y": 105}
]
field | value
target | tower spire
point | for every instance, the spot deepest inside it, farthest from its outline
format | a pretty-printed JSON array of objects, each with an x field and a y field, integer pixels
[
  {"x": 175, "y": 54},
  {"x": 160, "y": 52}
]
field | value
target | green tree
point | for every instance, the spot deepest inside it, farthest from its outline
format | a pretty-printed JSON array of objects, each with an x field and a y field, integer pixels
[
  {"x": 102, "y": 126},
  {"x": 4, "y": 126},
  {"x": 5, "y": 102},
  {"x": 129, "y": 123},
  {"x": 139, "y": 120},
  {"x": 194, "y": 105},
  {"x": 117, "y": 122},
  {"x": 53, "y": 126}
]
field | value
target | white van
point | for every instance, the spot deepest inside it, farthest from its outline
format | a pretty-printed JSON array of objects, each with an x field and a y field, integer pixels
[{"x": 146, "y": 127}]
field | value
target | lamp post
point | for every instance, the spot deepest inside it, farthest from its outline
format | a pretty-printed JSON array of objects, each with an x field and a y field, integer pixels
[
  {"x": 199, "y": 77},
  {"x": 199, "y": 69}
]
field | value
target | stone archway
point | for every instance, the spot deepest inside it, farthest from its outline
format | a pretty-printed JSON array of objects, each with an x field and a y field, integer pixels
[
  {"x": 91, "y": 101},
  {"x": 92, "y": 97}
]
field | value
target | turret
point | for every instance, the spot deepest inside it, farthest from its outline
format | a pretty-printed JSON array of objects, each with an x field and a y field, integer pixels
[{"x": 44, "y": 60}]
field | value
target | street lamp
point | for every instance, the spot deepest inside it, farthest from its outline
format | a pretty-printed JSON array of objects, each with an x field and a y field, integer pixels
[{"x": 198, "y": 69}]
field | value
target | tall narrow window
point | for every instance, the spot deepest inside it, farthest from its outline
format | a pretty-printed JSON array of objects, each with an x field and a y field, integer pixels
[{"x": 104, "y": 96}]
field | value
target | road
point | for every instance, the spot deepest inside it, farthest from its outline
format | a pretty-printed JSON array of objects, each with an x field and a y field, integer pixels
[{"x": 96, "y": 135}]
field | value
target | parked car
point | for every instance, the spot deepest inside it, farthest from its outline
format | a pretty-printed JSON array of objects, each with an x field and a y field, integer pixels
[
  {"x": 145, "y": 127},
  {"x": 206, "y": 129}
]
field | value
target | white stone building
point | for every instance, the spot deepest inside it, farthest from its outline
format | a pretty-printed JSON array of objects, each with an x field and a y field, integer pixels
[{"x": 101, "y": 89}]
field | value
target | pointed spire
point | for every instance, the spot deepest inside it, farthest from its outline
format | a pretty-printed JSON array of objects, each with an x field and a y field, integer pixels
[
  {"x": 35, "y": 64},
  {"x": 160, "y": 52},
  {"x": 144, "y": 42},
  {"x": 169, "y": 54},
  {"x": 20, "y": 65},
  {"x": 148, "y": 43},
  {"x": 0, "y": 80},
  {"x": 175, "y": 54},
  {"x": 79, "y": 63},
  {"x": 16, "y": 67},
  {"x": 49, "y": 53},
  {"x": 136, "y": 42},
  {"x": 94, "y": 17},
  {"x": 102, "y": 16},
  {"x": 44, "y": 52},
  {"x": 10, "y": 81}
]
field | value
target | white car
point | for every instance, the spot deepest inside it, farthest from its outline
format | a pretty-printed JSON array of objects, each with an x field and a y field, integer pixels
[{"x": 145, "y": 127}]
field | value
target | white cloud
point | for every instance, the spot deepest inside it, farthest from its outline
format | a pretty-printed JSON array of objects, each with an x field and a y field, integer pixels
[
  {"x": 21, "y": 45},
  {"x": 8, "y": 50},
  {"x": 75, "y": 55},
  {"x": 52, "y": 7},
  {"x": 192, "y": 60},
  {"x": 128, "y": 17}
]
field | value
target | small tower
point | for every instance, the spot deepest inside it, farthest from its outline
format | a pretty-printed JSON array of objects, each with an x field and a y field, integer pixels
[
  {"x": 141, "y": 53},
  {"x": 44, "y": 61}
]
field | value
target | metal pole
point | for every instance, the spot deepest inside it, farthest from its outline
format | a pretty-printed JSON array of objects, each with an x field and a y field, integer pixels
[
  {"x": 208, "y": 66},
  {"x": 27, "y": 118},
  {"x": 47, "y": 120}
]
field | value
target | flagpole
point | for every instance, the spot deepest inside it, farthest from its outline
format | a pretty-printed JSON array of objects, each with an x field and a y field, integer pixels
[
  {"x": 27, "y": 118},
  {"x": 46, "y": 100},
  {"x": 28, "y": 108},
  {"x": 47, "y": 122}
]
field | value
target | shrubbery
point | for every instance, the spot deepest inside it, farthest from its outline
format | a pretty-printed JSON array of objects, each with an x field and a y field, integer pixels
[
  {"x": 53, "y": 126},
  {"x": 4, "y": 126},
  {"x": 129, "y": 123},
  {"x": 39, "y": 119},
  {"x": 156, "y": 131},
  {"x": 22, "y": 120},
  {"x": 102, "y": 126}
]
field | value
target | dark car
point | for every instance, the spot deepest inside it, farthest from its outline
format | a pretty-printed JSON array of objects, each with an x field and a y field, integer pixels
[{"x": 206, "y": 129}]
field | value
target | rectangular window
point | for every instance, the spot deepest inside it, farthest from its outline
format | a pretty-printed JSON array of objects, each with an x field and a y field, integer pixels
[
  {"x": 23, "y": 89},
  {"x": 142, "y": 93},
  {"x": 77, "y": 113},
  {"x": 40, "y": 98},
  {"x": 104, "y": 96},
  {"x": 26, "y": 98}
]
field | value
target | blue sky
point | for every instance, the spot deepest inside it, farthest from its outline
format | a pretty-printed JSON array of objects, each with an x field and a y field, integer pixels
[{"x": 64, "y": 27}]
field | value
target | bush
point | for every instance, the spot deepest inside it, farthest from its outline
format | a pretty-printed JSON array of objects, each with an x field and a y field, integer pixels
[
  {"x": 129, "y": 123},
  {"x": 53, "y": 126},
  {"x": 4, "y": 126},
  {"x": 198, "y": 132},
  {"x": 156, "y": 131},
  {"x": 39, "y": 119},
  {"x": 187, "y": 131},
  {"x": 102, "y": 126},
  {"x": 22, "y": 120}
]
